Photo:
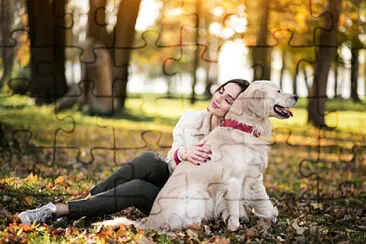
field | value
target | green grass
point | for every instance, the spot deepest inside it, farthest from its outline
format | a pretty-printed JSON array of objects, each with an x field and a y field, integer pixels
[{"x": 154, "y": 112}]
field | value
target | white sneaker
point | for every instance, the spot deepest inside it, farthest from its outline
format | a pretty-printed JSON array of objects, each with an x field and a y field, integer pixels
[{"x": 38, "y": 215}]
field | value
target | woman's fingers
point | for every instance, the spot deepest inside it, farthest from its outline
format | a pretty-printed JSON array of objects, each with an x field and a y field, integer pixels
[
  {"x": 197, "y": 154},
  {"x": 194, "y": 163},
  {"x": 204, "y": 150},
  {"x": 202, "y": 156},
  {"x": 201, "y": 144}
]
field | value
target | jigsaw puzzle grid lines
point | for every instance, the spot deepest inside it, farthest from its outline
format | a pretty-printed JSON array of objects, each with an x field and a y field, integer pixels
[{"x": 316, "y": 151}]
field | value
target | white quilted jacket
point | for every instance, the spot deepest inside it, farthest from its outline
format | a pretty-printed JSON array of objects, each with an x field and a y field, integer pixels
[{"x": 192, "y": 127}]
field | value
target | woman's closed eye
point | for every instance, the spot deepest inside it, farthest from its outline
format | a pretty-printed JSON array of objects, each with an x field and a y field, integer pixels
[{"x": 229, "y": 100}]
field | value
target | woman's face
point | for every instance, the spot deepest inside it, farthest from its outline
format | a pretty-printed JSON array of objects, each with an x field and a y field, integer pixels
[{"x": 223, "y": 99}]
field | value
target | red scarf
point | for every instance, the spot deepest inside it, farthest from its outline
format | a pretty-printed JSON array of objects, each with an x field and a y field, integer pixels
[{"x": 239, "y": 126}]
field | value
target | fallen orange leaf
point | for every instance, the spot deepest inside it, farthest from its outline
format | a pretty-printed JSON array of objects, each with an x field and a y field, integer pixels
[
  {"x": 28, "y": 200},
  {"x": 26, "y": 227},
  {"x": 31, "y": 178},
  {"x": 60, "y": 180}
]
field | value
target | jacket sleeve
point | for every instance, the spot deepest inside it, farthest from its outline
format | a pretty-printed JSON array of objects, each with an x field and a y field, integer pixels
[{"x": 178, "y": 142}]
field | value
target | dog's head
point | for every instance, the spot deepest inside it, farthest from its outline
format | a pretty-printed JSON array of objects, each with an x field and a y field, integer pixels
[{"x": 262, "y": 99}]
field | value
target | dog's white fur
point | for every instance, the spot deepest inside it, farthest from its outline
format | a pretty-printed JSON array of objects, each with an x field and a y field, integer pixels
[{"x": 233, "y": 178}]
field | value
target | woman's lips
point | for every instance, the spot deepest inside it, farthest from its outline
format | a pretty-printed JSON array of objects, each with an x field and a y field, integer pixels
[{"x": 214, "y": 105}]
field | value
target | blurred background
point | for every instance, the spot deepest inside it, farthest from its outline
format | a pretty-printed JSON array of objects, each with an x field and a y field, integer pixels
[{"x": 90, "y": 51}]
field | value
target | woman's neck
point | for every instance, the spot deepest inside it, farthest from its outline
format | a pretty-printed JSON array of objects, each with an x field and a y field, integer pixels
[{"x": 215, "y": 121}]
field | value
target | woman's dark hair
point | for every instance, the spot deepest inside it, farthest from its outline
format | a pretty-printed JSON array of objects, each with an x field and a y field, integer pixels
[{"x": 242, "y": 83}]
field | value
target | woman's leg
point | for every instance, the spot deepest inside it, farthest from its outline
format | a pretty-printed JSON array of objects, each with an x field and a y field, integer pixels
[
  {"x": 138, "y": 193},
  {"x": 136, "y": 183},
  {"x": 148, "y": 167}
]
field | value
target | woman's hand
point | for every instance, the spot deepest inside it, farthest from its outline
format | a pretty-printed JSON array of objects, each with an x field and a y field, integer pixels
[{"x": 196, "y": 154}]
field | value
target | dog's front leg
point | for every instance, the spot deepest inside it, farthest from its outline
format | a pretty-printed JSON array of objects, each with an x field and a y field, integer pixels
[
  {"x": 233, "y": 202},
  {"x": 259, "y": 199}
]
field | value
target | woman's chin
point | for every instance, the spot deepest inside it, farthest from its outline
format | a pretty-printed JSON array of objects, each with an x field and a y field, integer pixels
[{"x": 211, "y": 109}]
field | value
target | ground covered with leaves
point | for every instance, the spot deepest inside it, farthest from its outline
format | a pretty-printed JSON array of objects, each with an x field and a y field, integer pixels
[{"x": 316, "y": 178}]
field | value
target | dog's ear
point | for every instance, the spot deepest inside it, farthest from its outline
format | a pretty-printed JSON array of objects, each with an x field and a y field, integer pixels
[
  {"x": 256, "y": 103},
  {"x": 237, "y": 108}
]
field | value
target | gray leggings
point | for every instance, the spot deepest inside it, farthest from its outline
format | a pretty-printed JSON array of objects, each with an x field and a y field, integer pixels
[{"x": 136, "y": 183}]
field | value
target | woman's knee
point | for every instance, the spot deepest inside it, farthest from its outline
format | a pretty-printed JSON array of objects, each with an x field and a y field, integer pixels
[
  {"x": 148, "y": 159},
  {"x": 149, "y": 156}
]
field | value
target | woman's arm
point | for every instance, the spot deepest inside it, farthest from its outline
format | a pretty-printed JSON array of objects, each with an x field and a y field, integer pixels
[
  {"x": 178, "y": 143},
  {"x": 185, "y": 147}
]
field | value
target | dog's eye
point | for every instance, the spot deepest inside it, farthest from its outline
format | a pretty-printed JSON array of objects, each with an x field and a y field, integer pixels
[{"x": 278, "y": 91}]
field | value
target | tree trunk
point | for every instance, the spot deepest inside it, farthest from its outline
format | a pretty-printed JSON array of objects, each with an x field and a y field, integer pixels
[
  {"x": 354, "y": 75},
  {"x": 123, "y": 41},
  {"x": 196, "y": 57},
  {"x": 261, "y": 54},
  {"x": 97, "y": 22},
  {"x": 98, "y": 82},
  {"x": 326, "y": 53},
  {"x": 59, "y": 35},
  {"x": 364, "y": 74},
  {"x": 7, "y": 49},
  {"x": 335, "y": 79},
  {"x": 294, "y": 82},
  {"x": 211, "y": 42},
  {"x": 306, "y": 80},
  {"x": 47, "y": 62},
  {"x": 283, "y": 67},
  {"x": 105, "y": 80}
]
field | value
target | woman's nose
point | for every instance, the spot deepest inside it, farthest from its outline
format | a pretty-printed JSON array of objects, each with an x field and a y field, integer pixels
[{"x": 221, "y": 97}]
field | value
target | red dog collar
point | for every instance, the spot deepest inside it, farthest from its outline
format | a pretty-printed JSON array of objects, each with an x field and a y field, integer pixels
[{"x": 239, "y": 126}]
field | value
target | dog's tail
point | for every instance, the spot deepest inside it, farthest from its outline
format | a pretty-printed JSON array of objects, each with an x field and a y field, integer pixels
[{"x": 121, "y": 221}]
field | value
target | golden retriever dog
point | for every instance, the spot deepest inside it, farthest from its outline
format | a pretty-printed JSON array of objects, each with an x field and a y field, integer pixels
[{"x": 233, "y": 179}]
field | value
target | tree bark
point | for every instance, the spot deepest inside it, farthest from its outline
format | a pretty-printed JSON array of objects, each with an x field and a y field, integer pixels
[
  {"x": 59, "y": 35},
  {"x": 326, "y": 53},
  {"x": 306, "y": 79},
  {"x": 103, "y": 87},
  {"x": 261, "y": 54},
  {"x": 209, "y": 65},
  {"x": 196, "y": 57},
  {"x": 47, "y": 62},
  {"x": 123, "y": 41},
  {"x": 364, "y": 74},
  {"x": 335, "y": 79},
  {"x": 354, "y": 75},
  {"x": 97, "y": 21},
  {"x": 294, "y": 82},
  {"x": 283, "y": 67},
  {"x": 8, "y": 48}
]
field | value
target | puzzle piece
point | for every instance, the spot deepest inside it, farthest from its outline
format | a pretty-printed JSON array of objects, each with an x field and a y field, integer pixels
[{"x": 317, "y": 166}]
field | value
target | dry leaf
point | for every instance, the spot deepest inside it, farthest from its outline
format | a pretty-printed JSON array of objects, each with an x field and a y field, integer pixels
[
  {"x": 29, "y": 200},
  {"x": 60, "y": 180},
  {"x": 31, "y": 178},
  {"x": 299, "y": 230},
  {"x": 26, "y": 227}
]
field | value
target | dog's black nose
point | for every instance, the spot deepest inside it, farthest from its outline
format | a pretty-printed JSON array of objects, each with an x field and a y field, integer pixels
[{"x": 296, "y": 98}]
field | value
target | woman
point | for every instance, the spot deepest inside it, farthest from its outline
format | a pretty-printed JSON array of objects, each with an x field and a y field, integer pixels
[{"x": 138, "y": 182}]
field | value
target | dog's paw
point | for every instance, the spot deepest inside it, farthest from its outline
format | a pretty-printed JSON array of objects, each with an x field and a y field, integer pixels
[
  {"x": 225, "y": 215},
  {"x": 233, "y": 224},
  {"x": 273, "y": 218},
  {"x": 232, "y": 228}
]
